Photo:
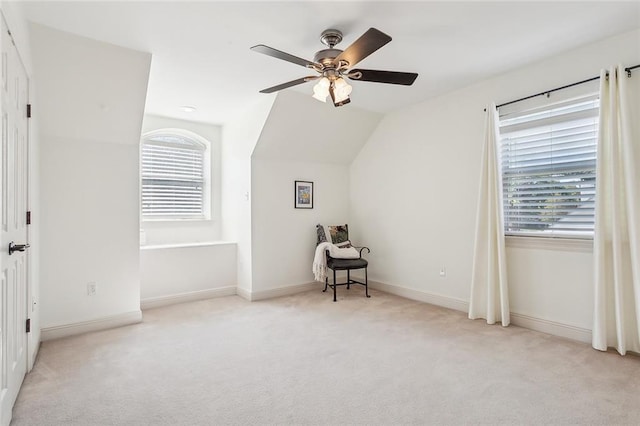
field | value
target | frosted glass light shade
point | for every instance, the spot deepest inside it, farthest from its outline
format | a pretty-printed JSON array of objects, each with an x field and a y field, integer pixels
[
  {"x": 341, "y": 90},
  {"x": 321, "y": 89}
]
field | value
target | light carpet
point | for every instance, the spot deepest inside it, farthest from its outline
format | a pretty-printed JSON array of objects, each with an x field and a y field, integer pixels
[{"x": 303, "y": 359}]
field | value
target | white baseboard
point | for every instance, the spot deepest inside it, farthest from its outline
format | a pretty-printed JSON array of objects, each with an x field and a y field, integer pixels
[
  {"x": 422, "y": 296},
  {"x": 37, "y": 341},
  {"x": 191, "y": 296},
  {"x": 538, "y": 324},
  {"x": 278, "y": 292},
  {"x": 244, "y": 293},
  {"x": 58, "y": 331},
  {"x": 552, "y": 327}
]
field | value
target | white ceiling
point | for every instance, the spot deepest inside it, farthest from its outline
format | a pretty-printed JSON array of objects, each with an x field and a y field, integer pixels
[{"x": 201, "y": 53}]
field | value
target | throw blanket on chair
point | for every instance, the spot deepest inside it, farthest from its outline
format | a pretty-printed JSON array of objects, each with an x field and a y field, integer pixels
[{"x": 320, "y": 260}]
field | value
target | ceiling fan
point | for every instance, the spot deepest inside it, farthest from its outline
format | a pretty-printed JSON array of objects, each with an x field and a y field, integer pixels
[{"x": 332, "y": 65}]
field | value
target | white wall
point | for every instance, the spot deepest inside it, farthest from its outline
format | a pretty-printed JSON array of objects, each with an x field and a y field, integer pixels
[
  {"x": 19, "y": 27},
  {"x": 239, "y": 138},
  {"x": 90, "y": 99},
  {"x": 303, "y": 139},
  {"x": 534, "y": 269},
  {"x": 414, "y": 191},
  {"x": 175, "y": 272},
  {"x": 284, "y": 238},
  {"x": 188, "y": 231}
]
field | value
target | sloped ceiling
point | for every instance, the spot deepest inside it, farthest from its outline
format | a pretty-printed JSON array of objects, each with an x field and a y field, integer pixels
[{"x": 300, "y": 130}]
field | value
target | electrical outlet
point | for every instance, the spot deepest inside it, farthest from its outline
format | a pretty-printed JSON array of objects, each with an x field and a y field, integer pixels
[
  {"x": 443, "y": 271},
  {"x": 91, "y": 289}
]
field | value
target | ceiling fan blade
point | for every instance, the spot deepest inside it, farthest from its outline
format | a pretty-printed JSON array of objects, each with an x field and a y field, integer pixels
[
  {"x": 377, "y": 76},
  {"x": 289, "y": 84},
  {"x": 270, "y": 51},
  {"x": 368, "y": 43}
]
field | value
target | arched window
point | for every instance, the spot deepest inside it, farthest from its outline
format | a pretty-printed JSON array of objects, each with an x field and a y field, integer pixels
[{"x": 174, "y": 175}]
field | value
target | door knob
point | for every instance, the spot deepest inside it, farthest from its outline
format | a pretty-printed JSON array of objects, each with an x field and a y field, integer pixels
[{"x": 17, "y": 247}]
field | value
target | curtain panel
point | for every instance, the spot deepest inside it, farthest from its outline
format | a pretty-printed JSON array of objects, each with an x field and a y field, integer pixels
[
  {"x": 489, "y": 290},
  {"x": 617, "y": 238}
]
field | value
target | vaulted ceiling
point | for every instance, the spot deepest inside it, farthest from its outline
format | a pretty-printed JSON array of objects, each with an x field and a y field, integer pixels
[{"x": 201, "y": 53}]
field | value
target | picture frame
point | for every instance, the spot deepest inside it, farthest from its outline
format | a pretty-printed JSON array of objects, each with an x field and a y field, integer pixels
[{"x": 303, "y": 194}]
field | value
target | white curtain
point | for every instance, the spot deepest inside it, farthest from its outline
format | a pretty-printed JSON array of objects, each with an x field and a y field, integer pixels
[
  {"x": 489, "y": 290},
  {"x": 617, "y": 238}
]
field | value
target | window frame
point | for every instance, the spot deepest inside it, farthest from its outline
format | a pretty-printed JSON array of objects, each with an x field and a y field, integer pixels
[
  {"x": 207, "y": 184},
  {"x": 527, "y": 234}
]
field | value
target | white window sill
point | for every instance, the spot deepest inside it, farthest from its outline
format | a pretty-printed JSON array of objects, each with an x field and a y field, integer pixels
[
  {"x": 546, "y": 243},
  {"x": 185, "y": 245},
  {"x": 177, "y": 220}
]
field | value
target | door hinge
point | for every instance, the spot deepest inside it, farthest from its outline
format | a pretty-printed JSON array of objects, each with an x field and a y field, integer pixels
[
  {"x": 28, "y": 218},
  {"x": 28, "y": 325},
  {"x": 28, "y": 110}
]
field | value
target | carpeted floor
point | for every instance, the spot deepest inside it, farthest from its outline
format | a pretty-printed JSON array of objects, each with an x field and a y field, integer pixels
[{"x": 306, "y": 360}]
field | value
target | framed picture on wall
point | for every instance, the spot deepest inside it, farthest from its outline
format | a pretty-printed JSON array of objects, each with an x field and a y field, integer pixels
[{"x": 303, "y": 195}]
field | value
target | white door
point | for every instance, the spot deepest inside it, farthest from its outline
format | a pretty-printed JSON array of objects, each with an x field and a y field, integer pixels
[{"x": 13, "y": 226}]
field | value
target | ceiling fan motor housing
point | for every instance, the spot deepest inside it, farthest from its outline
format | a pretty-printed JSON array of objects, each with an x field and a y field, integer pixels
[
  {"x": 329, "y": 38},
  {"x": 326, "y": 56}
]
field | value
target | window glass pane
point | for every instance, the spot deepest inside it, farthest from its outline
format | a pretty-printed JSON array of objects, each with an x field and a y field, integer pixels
[
  {"x": 173, "y": 182},
  {"x": 548, "y": 159}
]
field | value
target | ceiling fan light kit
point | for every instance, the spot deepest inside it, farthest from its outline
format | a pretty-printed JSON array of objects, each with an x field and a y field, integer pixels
[{"x": 333, "y": 65}]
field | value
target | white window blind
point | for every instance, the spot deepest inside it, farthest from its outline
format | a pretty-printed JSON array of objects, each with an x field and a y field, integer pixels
[
  {"x": 548, "y": 158},
  {"x": 172, "y": 177}
]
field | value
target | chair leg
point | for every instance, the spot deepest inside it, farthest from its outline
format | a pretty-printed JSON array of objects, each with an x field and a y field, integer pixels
[
  {"x": 326, "y": 283},
  {"x": 348, "y": 279},
  {"x": 334, "y": 286},
  {"x": 366, "y": 283}
]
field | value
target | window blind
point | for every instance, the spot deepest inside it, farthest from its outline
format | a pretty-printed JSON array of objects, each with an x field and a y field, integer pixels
[
  {"x": 172, "y": 178},
  {"x": 548, "y": 158}
]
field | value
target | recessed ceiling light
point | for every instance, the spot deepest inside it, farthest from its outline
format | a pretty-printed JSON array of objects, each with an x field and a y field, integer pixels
[{"x": 188, "y": 108}]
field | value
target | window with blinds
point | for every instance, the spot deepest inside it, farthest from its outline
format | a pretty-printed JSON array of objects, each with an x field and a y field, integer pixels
[
  {"x": 173, "y": 177},
  {"x": 548, "y": 158}
]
